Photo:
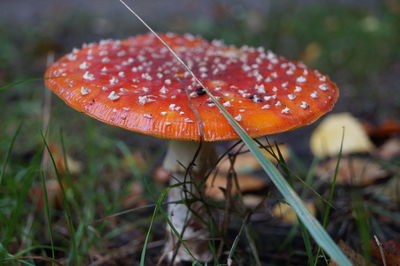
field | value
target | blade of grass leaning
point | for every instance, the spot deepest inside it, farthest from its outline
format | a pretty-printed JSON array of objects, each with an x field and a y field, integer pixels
[
  {"x": 47, "y": 213},
  {"x": 331, "y": 194},
  {"x": 312, "y": 224},
  {"x": 16, "y": 83},
  {"x": 68, "y": 214},
  {"x": 9, "y": 150}
]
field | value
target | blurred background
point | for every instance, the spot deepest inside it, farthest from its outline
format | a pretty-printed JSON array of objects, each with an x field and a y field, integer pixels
[{"x": 357, "y": 43}]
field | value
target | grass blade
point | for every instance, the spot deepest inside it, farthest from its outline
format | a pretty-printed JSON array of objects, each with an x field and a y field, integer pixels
[{"x": 9, "y": 150}]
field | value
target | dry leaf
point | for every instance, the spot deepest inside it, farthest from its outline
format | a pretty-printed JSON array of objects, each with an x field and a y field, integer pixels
[
  {"x": 246, "y": 163},
  {"x": 352, "y": 255},
  {"x": 215, "y": 186},
  {"x": 352, "y": 171},
  {"x": 286, "y": 213},
  {"x": 326, "y": 138},
  {"x": 391, "y": 252},
  {"x": 388, "y": 128},
  {"x": 389, "y": 150}
]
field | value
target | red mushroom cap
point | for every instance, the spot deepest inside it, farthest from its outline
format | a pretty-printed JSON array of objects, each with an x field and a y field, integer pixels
[{"x": 138, "y": 85}]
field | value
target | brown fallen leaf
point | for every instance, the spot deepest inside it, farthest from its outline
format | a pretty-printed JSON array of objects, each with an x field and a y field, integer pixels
[
  {"x": 388, "y": 128},
  {"x": 216, "y": 186},
  {"x": 352, "y": 255},
  {"x": 246, "y": 163},
  {"x": 327, "y": 137},
  {"x": 286, "y": 213},
  {"x": 352, "y": 171},
  {"x": 391, "y": 252},
  {"x": 389, "y": 150}
]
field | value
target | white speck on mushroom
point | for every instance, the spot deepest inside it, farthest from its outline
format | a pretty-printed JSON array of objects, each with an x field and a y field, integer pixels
[
  {"x": 284, "y": 84},
  {"x": 238, "y": 118},
  {"x": 147, "y": 116},
  {"x": 278, "y": 103},
  {"x": 163, "y": 113},
  {"x": 227, "y": 104},
  {"x": 121, "y": 74},
  {"x": 301, "y": 79},
  {"x": 145, "y": 89},
  {"x": 126, "y": 108},
  {"x": 104, "y": 69},
  {"x": 322, "y": 78},
  {"x": 286, "y": 110},
  {"x": 113, "y": 81},
  {"x": 260, "y": 88},
  {"x": 104, "y": 88},
  {"x": 84, "y": 65},
  {"x": 298, "y": 89},
  {"x": 242, "y": 110},
  {"x": 314, "y": 94},
  {"x": 113, "y": 96},
  {"x": 163, "y": 90},
  {"x": 71, "y": 57},
  {"x": 172, "y": 106},
  {"x": 121, "y": 53},
  {"x": 266, "y": 106},
  {"x": 167, "y": 81},
  {"x": 85, "y": 91},
  {"x": 304, "y": 105},
  {"x": 144, "y": 99},
  {"x": 193, "y": 94},
  {"x": 274, "y": 89},
  {"x": 323, "y": 87},
  {"x": 267, "y": 98},
  {"x": 167, "y": 123},
  {"x": 291, "y": 96},
  {"x": 105, "y": 60},
  {"x": 88, "y": 76},
  {"x": 187, "y": 120}
]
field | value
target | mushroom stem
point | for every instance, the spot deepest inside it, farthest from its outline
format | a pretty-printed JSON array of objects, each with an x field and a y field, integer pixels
[{"x": 185, "y": 214}]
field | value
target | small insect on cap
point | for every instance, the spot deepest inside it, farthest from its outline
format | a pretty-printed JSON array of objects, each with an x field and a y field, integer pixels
[{"x": 137, "y": 84}]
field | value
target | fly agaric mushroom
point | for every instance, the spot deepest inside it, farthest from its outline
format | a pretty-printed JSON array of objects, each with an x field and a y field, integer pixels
[{"x": 137, "y": 84}]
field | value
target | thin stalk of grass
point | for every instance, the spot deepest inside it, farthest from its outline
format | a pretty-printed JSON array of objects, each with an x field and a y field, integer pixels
[
  {"x": 68, "y": 214},
  {"x": 9, "y": 150},
  {"x": 331, "y": 194},
  {"x": 252, "y": 246},
  {"x": 47, "y": 213},
  {"x": 157, "y": 209},
  {"x": 16, "y": 83},
  {"x": 237, "y": 238},
  {"x": 307, "y": 243}
]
